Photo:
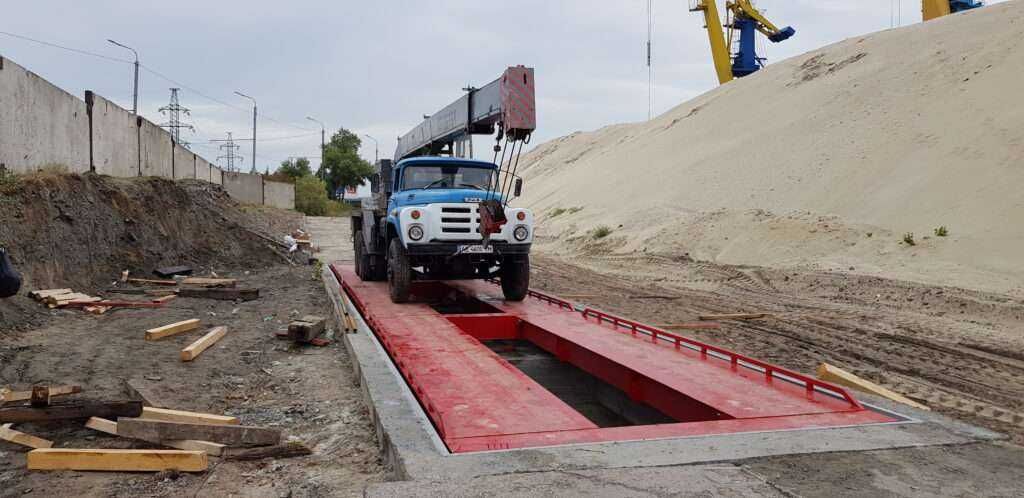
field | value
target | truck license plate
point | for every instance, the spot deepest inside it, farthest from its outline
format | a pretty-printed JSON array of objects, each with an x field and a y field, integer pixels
[{"x": 476, "y": 249}]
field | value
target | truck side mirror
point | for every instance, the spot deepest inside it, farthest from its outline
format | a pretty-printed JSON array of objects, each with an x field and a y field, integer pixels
[{"x": 519, "y": 187}]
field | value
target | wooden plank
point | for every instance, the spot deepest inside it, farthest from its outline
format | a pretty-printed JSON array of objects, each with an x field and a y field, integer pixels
[
  {"x": 287, "y": 450},
  {"x": 124, "y": 275},
  {"x": 164, "y": 299},
  {"x": 172, "y": 329},
  {"x": 18, "y": 414},
  {"x": 167, "y": 415},
  {"x": 835, "y": 375},
  {"x": 210, "y": 282},
  {"x": 231, "y": 435},
  {"x": 18, "y": 437},
  {"x": 117, "y": 460},
  {"x": 196, "y": 348},
  {"x": 307, "y": 328},
  {"x": 114, "y": 304},
  {"x": 40, "y": 396},
  {"x": 41, "y": 294},
  {"x": 110, "y": 427},
  {"x": 149, "y": 281},
  {"x": 10, "y": 396},
  {"x": 689, "y": 326},
  {"x": 735, "y": 316},
  {"x": 54, "y": 299},
  {"x": 222, "y": 294}
]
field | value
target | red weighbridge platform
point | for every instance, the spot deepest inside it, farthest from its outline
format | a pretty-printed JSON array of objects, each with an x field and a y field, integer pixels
[{"x": 447, "y": 344}]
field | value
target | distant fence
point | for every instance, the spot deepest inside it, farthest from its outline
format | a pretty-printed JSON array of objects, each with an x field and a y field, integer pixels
[{"x": 42, "y": 125}]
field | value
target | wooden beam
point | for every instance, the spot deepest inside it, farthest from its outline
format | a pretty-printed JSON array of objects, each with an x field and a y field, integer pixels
[
  {"x": 17, "y": 437},
  {"x": 210, "y": 282},
  {"x": 167, "y": 415},
  {"x": 231, "y": 435},
  {"x": 149, "y": 281},
  {"x": 6, "y": 395},
  {"x": 287, "y": 450},
  {"x": 110, "y": 427},
  {"x": 306, "y": 329},
  {"x": 40, "y": 396},
  {"x": 221, "y": 294},
  {"x": 735, "y": 316},
  {"x": 835, "y": 375},
  {"x": 117, "y": 460},
  {"x": 164, "y": 299},
  {"x": 172, "y": 329},
  {"x": 41, "y": 294},
  {"x": 19, "y": 414},
  {"x": 170, "y": 271},
  {"x": 196, "y": 348}
]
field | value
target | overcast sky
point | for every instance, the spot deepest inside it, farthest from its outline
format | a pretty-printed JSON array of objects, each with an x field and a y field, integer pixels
[{"x": 376, "y": 67}]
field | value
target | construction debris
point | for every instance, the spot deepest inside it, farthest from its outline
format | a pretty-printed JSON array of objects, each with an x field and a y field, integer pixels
[
  {"x": 39, "y": 295},
  {"x": 306, "y": 329},
  {"x": 736, "y": 316},
  {"x": 110, "y": 427},
  {"x": 170, "y": 271},
  {"x": 12, "y": 436},
  {"x": 117, "y": 460},
  {"x": 231, "y": 435},
  {"x": 112, "y": 409},
  {"x": 287, "y": 450},
  {"x": 835, "y": 375},
  {"x": 221, "y": 294},
  {"x": 209, "y": 282},
  {"x": 9, "y": 396},
  {"x": 167, "y": 415},
  {"x": 146, "y": 281},
  {"x": 172, "y": 329},
  {"x": 196, "y": 348}
]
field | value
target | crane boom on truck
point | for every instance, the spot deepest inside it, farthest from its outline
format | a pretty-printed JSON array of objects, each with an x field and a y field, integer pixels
[{"x": 436, "y": 214}]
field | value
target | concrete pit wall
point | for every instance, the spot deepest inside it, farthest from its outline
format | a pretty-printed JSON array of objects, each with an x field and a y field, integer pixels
[
  {"x": 115, "y": 137},
  {"x": 156, "y": 150},
  {"x": 279, "y": 195},
  {"x": 244, "y": 188},
  {"x": 40, "y": 124}
]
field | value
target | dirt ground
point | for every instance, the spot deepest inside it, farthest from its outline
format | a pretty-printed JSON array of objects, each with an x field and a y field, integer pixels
[
  {"x": 306, "y": 392},
  {"x": 957, "y": 351}
]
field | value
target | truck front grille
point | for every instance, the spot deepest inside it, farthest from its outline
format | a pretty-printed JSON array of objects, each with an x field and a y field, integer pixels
[{"x": 460, "y": 219}]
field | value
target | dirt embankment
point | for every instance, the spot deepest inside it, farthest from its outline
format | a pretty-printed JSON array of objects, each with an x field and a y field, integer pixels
[{"x": 80, "y": 231}]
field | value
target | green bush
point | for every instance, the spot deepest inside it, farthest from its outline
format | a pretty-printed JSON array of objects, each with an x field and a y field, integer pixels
[
  {"x": 908, "y": 238},
  {"x": 941, "y": 231},
  {"x": 600, "y": 232},
  {"x": 311, "y": 196}
]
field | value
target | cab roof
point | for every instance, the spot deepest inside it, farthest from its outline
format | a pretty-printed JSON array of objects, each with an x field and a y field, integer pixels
[{"x": 436, "y": 160}]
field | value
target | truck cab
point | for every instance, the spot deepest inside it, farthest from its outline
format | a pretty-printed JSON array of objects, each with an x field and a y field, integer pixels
[{"x": 423, "y": 223}]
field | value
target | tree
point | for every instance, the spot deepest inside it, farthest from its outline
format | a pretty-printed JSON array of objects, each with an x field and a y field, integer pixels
[
  {"x": 294, "y": 168},
  {"x": 345, "y": 169},
  {"x": 311, "y": 196}
]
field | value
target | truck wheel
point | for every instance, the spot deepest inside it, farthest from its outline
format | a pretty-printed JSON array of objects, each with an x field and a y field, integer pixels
[
  {"x": 362, "y": 259},
  {"x": 399, "y": 272},
  {"x": 515, "y": 279}
]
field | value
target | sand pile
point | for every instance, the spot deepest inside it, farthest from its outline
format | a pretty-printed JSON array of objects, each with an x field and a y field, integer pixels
[{"x": 822, "y": 161}]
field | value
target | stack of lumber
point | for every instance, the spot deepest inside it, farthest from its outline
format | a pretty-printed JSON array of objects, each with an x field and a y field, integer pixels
[{"x": 58, "y": 298}]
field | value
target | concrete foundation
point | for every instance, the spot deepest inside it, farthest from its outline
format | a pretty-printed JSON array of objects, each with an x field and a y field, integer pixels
[{"x": 42, "y": 125}]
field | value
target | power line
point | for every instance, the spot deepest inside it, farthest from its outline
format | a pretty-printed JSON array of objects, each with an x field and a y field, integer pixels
[{"x": 62, "y": 47}]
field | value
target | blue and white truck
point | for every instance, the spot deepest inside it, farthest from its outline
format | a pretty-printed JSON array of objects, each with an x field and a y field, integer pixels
[{"x": 436, "y": 216}]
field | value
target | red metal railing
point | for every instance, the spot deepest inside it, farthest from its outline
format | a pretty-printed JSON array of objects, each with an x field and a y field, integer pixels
[{"x": 734, "y": 359}]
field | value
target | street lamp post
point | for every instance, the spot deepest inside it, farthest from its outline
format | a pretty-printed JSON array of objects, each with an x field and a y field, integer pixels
[
  {"x": 323, "y": 146},
  {"x": 135, "y": 88},
  {"x": 376, "y": 148},
  {"x": 240, "y": 94}
]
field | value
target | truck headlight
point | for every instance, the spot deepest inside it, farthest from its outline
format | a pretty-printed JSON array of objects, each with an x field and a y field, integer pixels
[
  {"x": 521, "y": 233},
  {"x": 415, "y": 232}
]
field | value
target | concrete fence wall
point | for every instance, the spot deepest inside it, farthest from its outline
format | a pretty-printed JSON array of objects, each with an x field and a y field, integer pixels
[{"x": 41, "y": 125}]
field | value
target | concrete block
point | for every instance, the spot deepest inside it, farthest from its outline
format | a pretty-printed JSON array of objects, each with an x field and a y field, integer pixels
[
  {"x": 115, "y": 137},
  {"x": 244, "y": 188},
  {"x": 156, "y": 147},
  {"x": 184, "y": 163},
  {"x": 278, "y": 194}
]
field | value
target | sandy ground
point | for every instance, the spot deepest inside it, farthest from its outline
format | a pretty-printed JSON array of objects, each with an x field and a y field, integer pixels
[
  {"x": 309, "y": 393},
  {"x": 957, "y": 351},
  {"x": 822, "y": 161}
]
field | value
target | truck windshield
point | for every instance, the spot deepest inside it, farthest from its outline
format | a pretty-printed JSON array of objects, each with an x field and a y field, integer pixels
[{"x": 431, "y": 177}]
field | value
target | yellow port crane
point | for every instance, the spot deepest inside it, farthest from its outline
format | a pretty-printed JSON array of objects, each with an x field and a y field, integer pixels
[
  {"x": 743, "y": 18},
  {"x": 930, "y": 9}
]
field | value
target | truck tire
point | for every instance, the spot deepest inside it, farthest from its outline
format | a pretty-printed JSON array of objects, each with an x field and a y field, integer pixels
[
  {"x": 515, "y": 279},
  {"x": 362, "y": 259},
  {"x": 399, "y": 272}
]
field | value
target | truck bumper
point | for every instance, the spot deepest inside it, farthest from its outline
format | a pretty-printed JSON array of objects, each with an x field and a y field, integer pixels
[{"x": 449, "y": 249}]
